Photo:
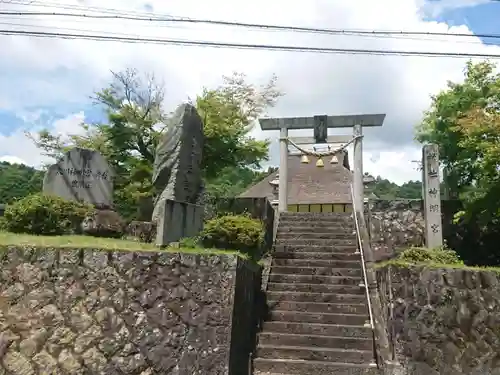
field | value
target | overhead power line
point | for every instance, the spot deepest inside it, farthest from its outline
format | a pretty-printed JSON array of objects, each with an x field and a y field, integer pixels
[
  {"x": 396, "y": 37},
  {"x": 268, "y": 47},
  {"x": 80, "y": 30},
  {"x": 48, "y": 4},
  {"x": 172, "y": 19}
]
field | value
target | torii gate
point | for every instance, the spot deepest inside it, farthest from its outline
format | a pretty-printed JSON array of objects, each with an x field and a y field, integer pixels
[{"x": 321, "y": 124}]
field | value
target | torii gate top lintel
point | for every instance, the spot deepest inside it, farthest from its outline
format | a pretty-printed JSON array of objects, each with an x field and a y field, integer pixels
[
  {"x": 346, "y": 121},
  {"x": 321, "y": 124}
]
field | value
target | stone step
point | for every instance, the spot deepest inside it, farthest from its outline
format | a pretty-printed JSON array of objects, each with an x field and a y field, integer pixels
[
  {"x": 308, "y": 221},
  {"x": 344, "y": 225},
  {"x": 318, "y": 242},
  {"x": 321, "y": 226},
  {"x": 306, "y": 353},
  {"x": 312, "y": 248},
  {"x": 320, "y": 308},
  {"x": 314, "y": 279},
  {"x": 332, "y": 229},
  {"x": 264, "y": 366},
  {"x": 320, "y": 271},
  {"x": 315, "y": 288},
  {"x": 316, "y": 214},
  {"x": 318, "y": 329},
  {"x": 317, "y": 263},
  {"x": 291, "y": 339},
  {"x": 315, "y": 217},
  {"x": 316, "y": 255},
  {"x": 314, "y": 236},
  {"x": 306, "y": 317},
  {"x": 316, "y": 297}
]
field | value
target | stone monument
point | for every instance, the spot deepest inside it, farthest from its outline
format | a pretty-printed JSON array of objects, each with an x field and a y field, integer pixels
[
  {"x": 432, "y": 196},
  {"x": 177, "y": 174},
  {"x": 81, "y": 175}
]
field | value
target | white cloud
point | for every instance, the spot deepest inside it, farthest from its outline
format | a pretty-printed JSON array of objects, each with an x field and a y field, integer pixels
[
  {"x": 18, "y": 148},
  {"x": 396, "y": 166},
  {"x": 69, "y": 124},
  {"x": 12, "y": 160},
  {"x": 314, "y": 83}
]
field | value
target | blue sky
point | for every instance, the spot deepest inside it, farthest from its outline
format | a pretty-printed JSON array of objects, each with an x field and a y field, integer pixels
[
  {"x": 47, "y": 83},
  {"x": 482, "y": 18}
]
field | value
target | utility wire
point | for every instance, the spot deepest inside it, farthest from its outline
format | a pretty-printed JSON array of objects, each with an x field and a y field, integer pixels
[
  {"x": 46, "y": 4},
  {"x": 177, "y": 26},
  {"x": 172, "y": 19},
  {"x": 246, "y": 46}
]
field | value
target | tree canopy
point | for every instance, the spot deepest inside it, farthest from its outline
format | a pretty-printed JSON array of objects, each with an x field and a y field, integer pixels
[
  {"x": 136, "y": 119},
  {"x": 388, "y": 190},
  {"x": 464, "y": 120},
  {"x": 18, "y": 181}
]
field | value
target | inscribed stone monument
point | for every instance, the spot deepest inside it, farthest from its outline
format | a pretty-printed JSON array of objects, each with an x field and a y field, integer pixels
[
  {"x": 177, "y": 175},
  {"x": 81, "y": 175},
  {"x": 432, "y": 196}
]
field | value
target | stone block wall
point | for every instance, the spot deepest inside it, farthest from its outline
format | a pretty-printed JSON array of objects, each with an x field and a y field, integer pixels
[
  {"x": 394, "y": 226},
  {"x": 97, "y": 312},
  {"x": 398, "y": 224},
  {"x": 442, "y": 321}
]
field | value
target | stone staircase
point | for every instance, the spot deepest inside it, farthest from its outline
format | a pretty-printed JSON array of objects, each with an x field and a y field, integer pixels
[{"x": 318, "y": 321}]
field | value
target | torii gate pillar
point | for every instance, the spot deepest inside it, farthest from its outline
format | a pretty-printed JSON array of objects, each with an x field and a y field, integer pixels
[
  {"x": 283, "y": 171},
  {"x": 357, "y": 177},
  {"x": 321, "y": 124}
]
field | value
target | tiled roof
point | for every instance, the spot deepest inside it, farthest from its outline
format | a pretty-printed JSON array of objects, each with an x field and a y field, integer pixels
[{"x": 308, "y": 184}]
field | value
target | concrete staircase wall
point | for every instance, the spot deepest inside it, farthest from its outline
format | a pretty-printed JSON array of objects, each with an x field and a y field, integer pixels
[{"x": 318, "y": 320}]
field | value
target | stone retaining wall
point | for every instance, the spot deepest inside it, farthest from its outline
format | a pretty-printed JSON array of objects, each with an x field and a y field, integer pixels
[
  {"x": 394, "y": 226},
  {"x": 398, "y": 224},
  {"x": 97, "y": 312},
  {"x": 442, "y": 321}
]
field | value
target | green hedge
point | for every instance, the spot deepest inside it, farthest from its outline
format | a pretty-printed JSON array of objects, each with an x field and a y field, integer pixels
[
  {"x": 45, "y": 215},
  {"x": 424, "y": 255},
  {"x": 234, "y": 232}
]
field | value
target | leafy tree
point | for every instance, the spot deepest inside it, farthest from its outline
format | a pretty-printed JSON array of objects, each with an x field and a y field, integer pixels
[
  {"x": 480, "y": 135},
  {"x": 229, "y": 112},
  {"x": 464, "y": 120},
  {"x": 18, "y": 181},
  {"x": 232, "y": 181},
  {"x": 410, "y": 190},
  {"x": 382, "y": 188},
  {"x": 136, "y": 121},
  {"x": 481, "y": 90}
]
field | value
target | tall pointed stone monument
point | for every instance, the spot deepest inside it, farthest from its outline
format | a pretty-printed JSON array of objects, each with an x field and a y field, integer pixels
[{"x": 177, "y": 177}]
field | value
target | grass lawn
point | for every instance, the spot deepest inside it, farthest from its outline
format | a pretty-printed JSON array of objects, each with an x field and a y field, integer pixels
[{"x": 87, "y": 242}]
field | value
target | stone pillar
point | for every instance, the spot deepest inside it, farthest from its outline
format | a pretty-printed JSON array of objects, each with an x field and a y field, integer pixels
[
  {"x": 357, "y": 182},
  {"x": 283, "y": 172},
  {"x": 432, "y": 197}
]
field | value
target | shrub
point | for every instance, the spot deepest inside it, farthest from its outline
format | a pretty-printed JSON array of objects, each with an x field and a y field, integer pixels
[
  {"x": 190, "y": 242},
  {"x": 45, "y": 215},
  {"x": 234, "y": 232},
  {"x": 424, "y": 255},
  {"x": 3, "y": 223}
]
